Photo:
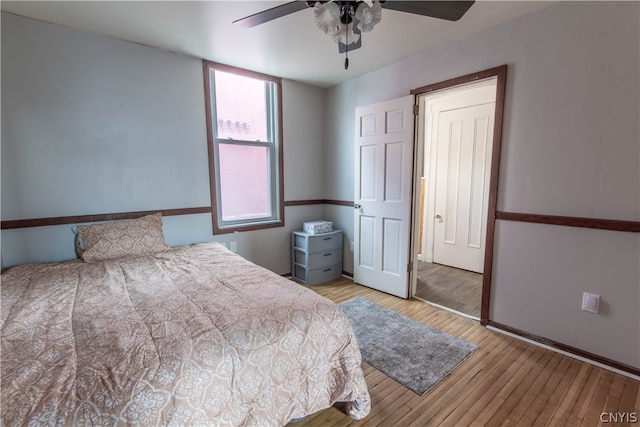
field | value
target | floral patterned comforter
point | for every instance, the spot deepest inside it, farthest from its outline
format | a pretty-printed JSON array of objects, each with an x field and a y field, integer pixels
[{"x": 196, "y": 335}]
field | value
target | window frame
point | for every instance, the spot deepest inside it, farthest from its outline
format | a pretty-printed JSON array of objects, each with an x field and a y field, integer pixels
[{"x": 276, "y": 162}]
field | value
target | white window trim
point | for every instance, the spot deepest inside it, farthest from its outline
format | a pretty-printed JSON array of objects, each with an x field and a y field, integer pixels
[{"x": 274, "y": 147}]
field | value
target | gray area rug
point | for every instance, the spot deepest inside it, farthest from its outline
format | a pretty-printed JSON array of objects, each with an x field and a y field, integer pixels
[{"x": 412, "y": 353}]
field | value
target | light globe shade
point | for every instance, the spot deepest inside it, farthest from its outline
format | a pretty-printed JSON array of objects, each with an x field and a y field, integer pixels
[
  {"x": 346, "y": 35},
  {"x": 327, "y": 17},
  {"x": 368, "y": 16}
]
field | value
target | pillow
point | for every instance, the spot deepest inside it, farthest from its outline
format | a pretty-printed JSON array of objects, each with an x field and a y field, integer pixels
[{"x": 115, "y": 239}]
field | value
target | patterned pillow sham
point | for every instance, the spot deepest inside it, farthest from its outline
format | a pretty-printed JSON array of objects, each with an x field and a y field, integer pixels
[{"x": 115, "y": 239}]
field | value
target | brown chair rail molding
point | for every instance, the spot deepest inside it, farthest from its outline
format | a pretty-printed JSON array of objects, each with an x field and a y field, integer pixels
[
  {"x": 602, "y": 224},
  {"x": 319, "y": 202},
  {"x": 77, "y": 219}
]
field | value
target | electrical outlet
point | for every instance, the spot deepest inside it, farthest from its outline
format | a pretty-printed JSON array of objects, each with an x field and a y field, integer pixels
[{"x": 590, "y": 302}]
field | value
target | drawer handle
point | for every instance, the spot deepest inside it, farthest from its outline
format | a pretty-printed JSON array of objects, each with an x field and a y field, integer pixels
[
  {"x": 326, "y": 269},
  {"x": 327, "y": 238},
  {"x": 329, "y": 254}
]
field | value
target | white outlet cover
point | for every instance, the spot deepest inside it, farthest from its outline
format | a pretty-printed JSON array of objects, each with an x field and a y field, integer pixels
[{"x": 590, "y": 302}]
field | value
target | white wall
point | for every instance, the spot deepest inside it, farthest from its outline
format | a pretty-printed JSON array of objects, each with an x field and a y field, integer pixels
[
  {"x": 96, "y": 125},
  {"x": 571, "y": 146}
]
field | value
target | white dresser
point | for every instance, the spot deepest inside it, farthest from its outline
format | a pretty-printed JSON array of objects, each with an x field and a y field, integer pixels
[{"x": 316, "y": 258}]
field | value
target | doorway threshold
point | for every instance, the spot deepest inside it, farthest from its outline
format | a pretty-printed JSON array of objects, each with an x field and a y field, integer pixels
[{"x": 468, "y": 316}]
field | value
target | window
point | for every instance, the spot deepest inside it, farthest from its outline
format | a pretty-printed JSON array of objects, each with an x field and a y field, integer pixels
[{"x": 244, "y": 134}]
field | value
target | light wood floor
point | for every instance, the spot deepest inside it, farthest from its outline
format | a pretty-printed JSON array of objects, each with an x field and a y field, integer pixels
[
  {"x": 507, "y": 382},
  {"x": 450, "y": 287}
]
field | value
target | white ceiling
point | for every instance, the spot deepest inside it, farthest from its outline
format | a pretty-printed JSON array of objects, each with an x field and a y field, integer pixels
[{"x": 290, "y": 47}]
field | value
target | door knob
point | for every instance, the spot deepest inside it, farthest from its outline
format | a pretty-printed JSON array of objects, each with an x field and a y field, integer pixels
[
  {"x": 357, "y": 206},
  {"x": 438, "y": 217}
]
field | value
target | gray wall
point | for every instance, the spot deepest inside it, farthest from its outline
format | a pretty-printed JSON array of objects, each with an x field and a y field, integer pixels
[
  {"x": 95, "y": 125},
  {"x": 571, "y": 147}
]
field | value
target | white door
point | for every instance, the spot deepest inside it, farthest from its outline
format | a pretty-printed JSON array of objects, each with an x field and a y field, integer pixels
[
  {"x": 463, "y": 129},
  {"x": 383, "y": 175}
]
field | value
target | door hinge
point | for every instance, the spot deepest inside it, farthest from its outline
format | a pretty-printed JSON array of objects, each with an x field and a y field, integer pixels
[
  {"x": 416, "y": 108},
  {"x": 409, "y": 267}
]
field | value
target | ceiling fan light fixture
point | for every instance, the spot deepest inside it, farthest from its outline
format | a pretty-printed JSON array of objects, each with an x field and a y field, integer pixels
[
  {"x": 368, "y": 15},
  {"x": 327, "y": 17},
  {"x": 345, "y": 20},
  {"x": 346, "y": 35}
]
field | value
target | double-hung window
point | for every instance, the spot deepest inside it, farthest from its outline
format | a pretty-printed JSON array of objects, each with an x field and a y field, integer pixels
[{"x": 244, "y": 132}]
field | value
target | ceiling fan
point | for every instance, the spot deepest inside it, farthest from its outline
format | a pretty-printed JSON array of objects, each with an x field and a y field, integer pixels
[{"x": 345, "y": 20}]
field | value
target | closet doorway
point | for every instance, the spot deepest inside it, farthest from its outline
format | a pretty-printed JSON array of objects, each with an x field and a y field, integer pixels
[{"x": 455, "y": 142}]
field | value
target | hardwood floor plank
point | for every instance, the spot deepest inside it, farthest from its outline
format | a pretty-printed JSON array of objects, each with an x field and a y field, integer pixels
[
  {"x": 518, "y": 386},
  {"x": 556, "y": 388},
  {"x": 584, "y": 398},
  {"x": 395, "y": 416},
  {"x": 598, "y": 402},
  {"x": 630, "y": 393},
  {"x": 507, "y": 382},
  {"x": 522, "y": 414},
  {"x": 562, "y": 412},
  {"x": 476, "y": 398},
  {"x": 487, "y": 405},
  {"x": 507, "y": 399}
]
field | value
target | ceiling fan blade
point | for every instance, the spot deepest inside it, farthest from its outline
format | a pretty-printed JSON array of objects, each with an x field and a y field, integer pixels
[
  {"x": 271, "y": 14},
  {"x": 449, "y": 10}
]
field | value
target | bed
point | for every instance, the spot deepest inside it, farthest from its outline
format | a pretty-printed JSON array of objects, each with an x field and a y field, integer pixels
[{"x": 192, "y": 335}]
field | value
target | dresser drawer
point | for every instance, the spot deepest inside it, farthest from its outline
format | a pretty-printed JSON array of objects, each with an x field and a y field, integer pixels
[
  {"x": 318, "y": 242},
  {"x": 318, "y": 259},
  {"x": 317, "y": 275}
]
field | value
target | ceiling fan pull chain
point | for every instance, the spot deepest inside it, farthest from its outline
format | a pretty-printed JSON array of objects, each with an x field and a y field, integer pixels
[{"x": 346, "y": 51}]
